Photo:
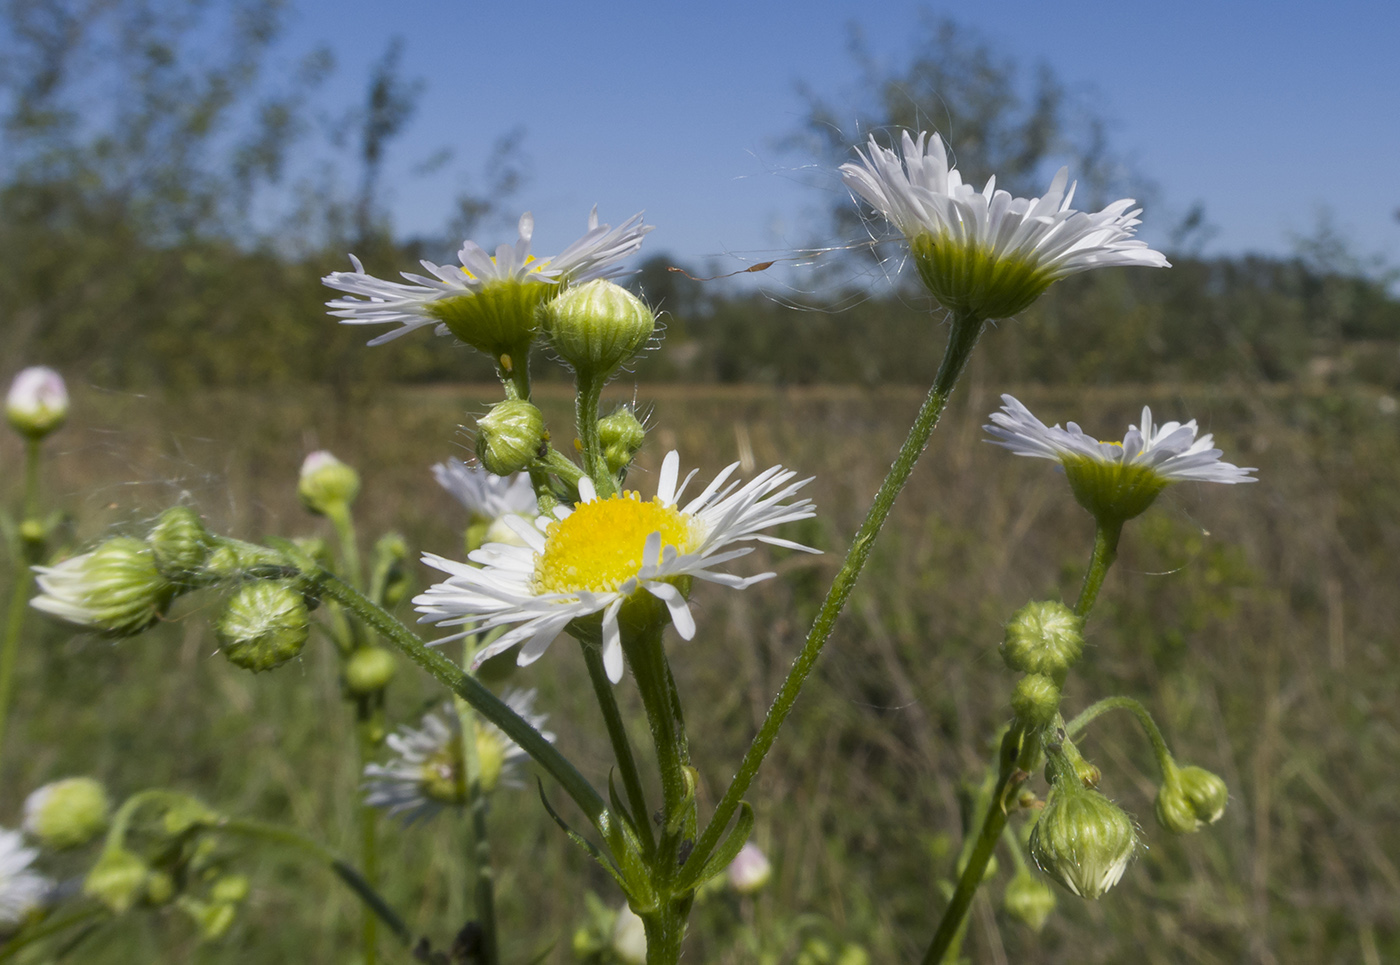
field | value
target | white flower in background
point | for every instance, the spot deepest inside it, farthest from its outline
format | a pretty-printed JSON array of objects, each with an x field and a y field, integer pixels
[
  {"x": 985, "y": 253},
  {"x": 37, "y": 402},
  {"x": 21, "y": 890},
  {"x": 488, "y": 498},
  {"x": 750, "y": 871},
  {"x": 488, "y": 301},
  {"x": 592, "y": 558},
  {"x": 425, "y": 774},
  {"x": 1117, "y": 478},
  {"x": 629, "y": 937}
]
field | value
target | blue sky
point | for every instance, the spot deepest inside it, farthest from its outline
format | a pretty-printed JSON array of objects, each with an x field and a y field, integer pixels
[{"x": 1265, "y": 112}]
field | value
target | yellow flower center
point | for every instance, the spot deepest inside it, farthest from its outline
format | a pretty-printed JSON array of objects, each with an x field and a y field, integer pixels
[{"x": 599, "y": 547}]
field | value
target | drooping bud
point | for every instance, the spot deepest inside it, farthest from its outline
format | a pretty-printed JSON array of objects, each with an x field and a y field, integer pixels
[
  {"x": 1028, "y": 899},
  {"x": 621, "y": 435},
  {"x": 510, "y": 436},
  {"x": 179, "y": 544},
  {"x": 1190, "y": 798},
  {"x": 118, "y": 879},
  {"x": 114, "y": 590},
  {"x": 597, "y": 327},
  {"x": 750, "y": 871},
  {"x": 67, "y": 813},
  {"x": 1043, "y": 638},
  {"x": 1036, "y": 699},
  {"x": 264, "y": 624},
  {"x": 1083, "y": 840},
  {"x": 326, "y": 483},
  {"x": 369, "y": 671},
  {"x": 629, "y": 937},
  {"x": 37, "y": 403}
]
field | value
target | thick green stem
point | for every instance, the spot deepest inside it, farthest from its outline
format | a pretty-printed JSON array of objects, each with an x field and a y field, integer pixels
[
  {"x": 513, "y": 369},
  {"x": 471, "y": 690},
  {"x": 665, "y": 929},
  {"x": 961, "y": 340},
  {"x": 1017, "y": 749},
  {"x": 344, "y": 523},
  {"x": 647, "y": 657},
  {"x": 622, "y": 746},
  {"x": 1106, "y": 536},
  {"x": 586, "y": 416},
  {"x": 1134, "y": 707}
]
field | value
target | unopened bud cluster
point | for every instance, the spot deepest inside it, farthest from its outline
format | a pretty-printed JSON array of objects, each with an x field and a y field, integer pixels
[{"x": 1190, "y": 798}]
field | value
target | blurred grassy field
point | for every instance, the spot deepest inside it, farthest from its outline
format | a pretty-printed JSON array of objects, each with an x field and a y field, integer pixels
[{"x": 1258, "y": 623}]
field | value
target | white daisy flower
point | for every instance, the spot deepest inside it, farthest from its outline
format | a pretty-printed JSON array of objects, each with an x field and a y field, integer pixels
[
  {"x": 985, "y": 253},
  {"x": 1119, "y": 478},
  {"x": 592, "y": 558},
  {"x": 425, "y": 774},
  {"x": 489, "y": 300},
  {"x": 21, "y": 890},
  {"x": 488, "y": 498}
]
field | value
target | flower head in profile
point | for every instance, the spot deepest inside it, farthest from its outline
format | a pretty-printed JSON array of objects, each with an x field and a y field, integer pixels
[
  {"x": 1116, "y": 480},
  {"x": 489, "y": 500},
  {"x": 115, "y": 589},
  {"x": 593, "y": 558},
  {"x": 985, "y": 254},
  {"x": 489, "y": 301},
  {"x": 21, "y": 889},
  {"x": 425, "y": 774}
]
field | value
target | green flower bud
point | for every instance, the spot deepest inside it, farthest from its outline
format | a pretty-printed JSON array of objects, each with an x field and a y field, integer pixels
[
  {"x": 597, "y": 327},
  {"x": 264, "y": 624},
  {"x": 852, "y": 955},
  {"x": 114, "y": 590},
  {"x": 37, "y": 403},
  {"x": 160, "y": 888},
  {"x": 326, "y": 483},
  {"x": 1036, "y": 699},
  {"x": 369, "y": 670},
  {"x": 230, "y": 889},
  {"x": 118, "y": 879},
  {"x": 621, "y": 435},
  {"x": 179, "y": 543},
  {"x": 1043, "y": 638},
  {"x": 1083, "y": 840},
  {"x": 510, "y": 437},
  {"x": 213, "y": 919},
  {"x": 1028, "y": 899},
  {"x": 67, "y": 813},
  {"x": 1189, "y": 799}
]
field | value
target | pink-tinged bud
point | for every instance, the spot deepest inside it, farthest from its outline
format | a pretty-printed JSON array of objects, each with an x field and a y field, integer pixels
[{"x": 38, "y": 402}]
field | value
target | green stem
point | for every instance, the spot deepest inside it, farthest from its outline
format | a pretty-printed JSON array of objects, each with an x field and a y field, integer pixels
[
  {"x": 366, "y": 730},
  {"x": 665, "y": 929},
  {"x": 344, "y": 523},
  {"x": 1016, "y": 749},
  {"x": 479, "y": 843},
  {"x": 961, "y": 340},
  {"x": 1149, "y": 726},
  {"x": 471, "y": 690},
  {"x": 645, "y": 654},
  {"x": 343, "y": 870},
  {"x": 12, "y": 946},
  {"x": 513, "y": 369},
  {"x": 1105, "y": 552},
  {"x": 622, "y": 747},
  {"x": 586, "y": 416},
  {"x": 19, "y": 593}
]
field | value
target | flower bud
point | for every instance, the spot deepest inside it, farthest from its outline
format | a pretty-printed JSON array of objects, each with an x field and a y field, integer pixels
[
  {"x": 1043, "y": 638},
  {"x": 1083, "y": 840},
  {"x": 67, "y": 813},
  {"x": 629, "y": 937},
  {"x": 369, "y": 670},
  {"x": 230, "y": 889},
  {"x": 1189, "y": 799},
  {"x": 264, "y": 624},
  {"x": 118, "y": 879},
  {"x": 1036, "y": 699},
  {"x": 750, "y": 871},
  {"x": 213, "y": 919},
  {"x": 597, "y": 327},
  {"x": 621, "y": 435},
  {"x": 114, "y": 590},
  {"x": 37, "y": 403},
  {"x": 179, "y": 543},
  {"x": 1028, "y": 899},
  {"x": 510, "y": 436},
  {"x": 160, "y": 888},
  {"x": 326, "y": 483}
]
